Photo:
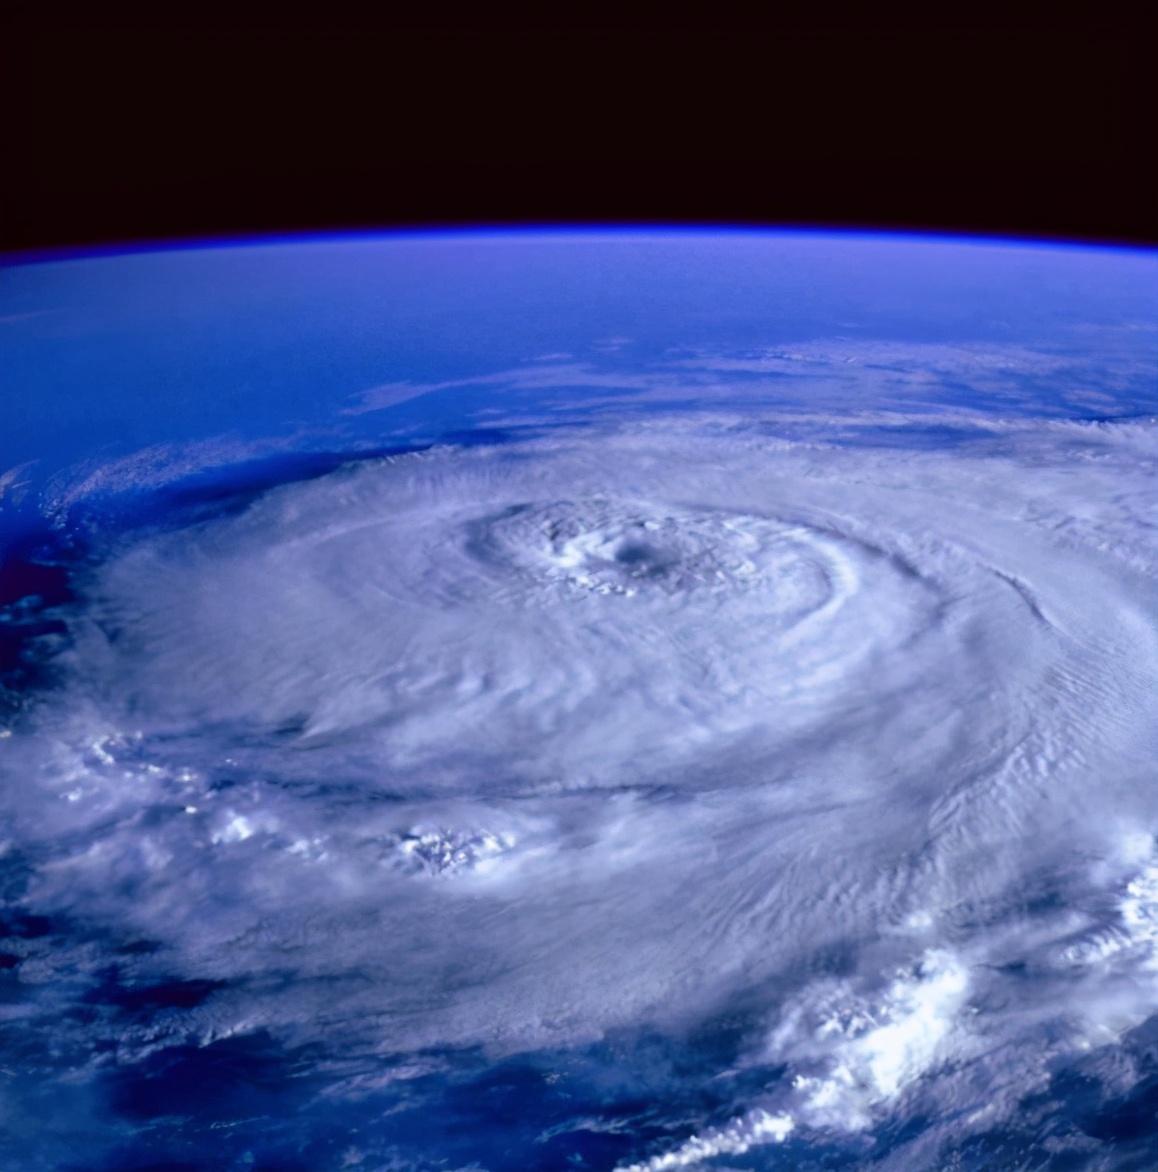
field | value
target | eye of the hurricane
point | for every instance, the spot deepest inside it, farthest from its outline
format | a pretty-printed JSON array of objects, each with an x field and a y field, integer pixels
[
  {"x": 612, "y": 560},
  {"x": 635, "y": 550},
  {"x": 618, "y": 557},
  {"x": 639, "y": 558}
]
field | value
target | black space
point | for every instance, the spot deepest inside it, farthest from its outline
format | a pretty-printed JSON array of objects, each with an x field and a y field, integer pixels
[{"x": 122, "y": 129}]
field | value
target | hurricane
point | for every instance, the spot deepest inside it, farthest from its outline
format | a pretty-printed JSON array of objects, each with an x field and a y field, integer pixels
[{"x": 706, "y": 769}]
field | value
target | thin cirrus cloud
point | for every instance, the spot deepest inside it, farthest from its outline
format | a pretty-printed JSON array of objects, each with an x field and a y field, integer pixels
[{"x": 854, "y": 372}]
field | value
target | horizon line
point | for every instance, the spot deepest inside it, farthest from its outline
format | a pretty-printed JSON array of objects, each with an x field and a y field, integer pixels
[{"x": 556, "y": 229}]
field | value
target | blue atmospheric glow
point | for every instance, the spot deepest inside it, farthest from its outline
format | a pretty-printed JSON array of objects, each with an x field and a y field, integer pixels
[{"x": 578, "y": 229}]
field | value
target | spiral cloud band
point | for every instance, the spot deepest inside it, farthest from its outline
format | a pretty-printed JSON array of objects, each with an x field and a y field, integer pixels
[{"x": 514, "y": 749}]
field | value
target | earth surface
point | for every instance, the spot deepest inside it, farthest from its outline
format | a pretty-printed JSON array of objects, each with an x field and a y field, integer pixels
[{"x": 580, "y": 700}]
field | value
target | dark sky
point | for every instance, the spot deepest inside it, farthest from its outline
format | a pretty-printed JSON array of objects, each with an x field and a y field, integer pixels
[{"x": 123, "y": 128}]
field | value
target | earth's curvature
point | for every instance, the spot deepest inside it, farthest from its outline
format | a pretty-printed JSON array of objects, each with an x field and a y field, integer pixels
[{"x": 580, "y": 700}]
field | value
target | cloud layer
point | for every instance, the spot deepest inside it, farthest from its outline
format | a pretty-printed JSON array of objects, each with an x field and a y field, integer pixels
[{"x": 507, "y": 749}]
